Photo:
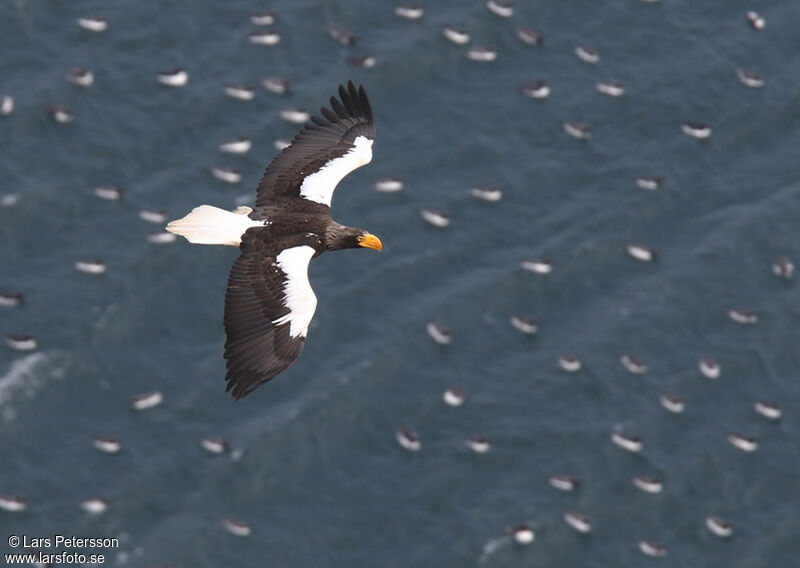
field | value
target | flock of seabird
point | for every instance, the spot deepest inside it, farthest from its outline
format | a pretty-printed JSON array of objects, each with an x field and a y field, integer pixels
[{"x": 351, "y": 120}]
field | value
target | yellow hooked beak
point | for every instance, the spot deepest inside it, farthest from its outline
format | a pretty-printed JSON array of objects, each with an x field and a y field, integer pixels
[{"x": 370, "y": 241}]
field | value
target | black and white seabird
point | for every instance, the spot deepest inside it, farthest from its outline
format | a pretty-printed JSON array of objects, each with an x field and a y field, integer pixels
[
  {"x": 281, "y": 144},
  {"x": 697, "y": 130},
  {"x": 719, "y": 526},
  {"x": 263, "y": 18},
  {"x": 295, "y": 115},
  {"x": 237, "y": 146},
  {"x": 500, "y": 8},
  {"x": 214, "y": 444},
  {"x": 342, "y": 36},
  {"x": 633, "y": 364},
  {"x": 147, "y": 400},
  {"x": 487, "y": 193},
  {"x": 569, "y": 363},
  {"x": 456, "y": 35},
  {"x": 768, "y": 410},
  {"x": 539, "y": 265},
  {"x": 587, "y": 54},
  {"x": 161, "y": 237},
  {"x": 107, "y": 445},
  {"x": 80, "y": 76},
  {"x": 94, "y": 506},
  {"x": 21, "y": 342},
  {"x": 631, "y": 443},
  {"x": 648, "y": 484},
  {"x": 611, "y": 88},
  {"x": 523, "y": 534},
  {"x": 577, "y": 521},
  {"x": 478, "y": 444},
  {"x": 783, "y": 267},
  {"x": 367, "y": 61},
  {"x": 388, "y": 185},
  {"x": 435, "y": 217},
  {"x": 756, "y": 21},
  {"x": 6, "y": 105},
  {"x": 563, "y": 482},
  {"x": 277, "y": 85},
  {"x": 750, "y": 79},
  {"x": 440, "y": 333},
  {"x": 264, "y": 38},
  {"x": 650, "y": 183},
  {"x": 672, "y": 403},
  {"x": 745, "y": 443},
  {"x": 12, "y": 503},
  {"x": 110, "y": 192},
  {"x": 226, "y": 174},
  {"x": 408, "y": 440},
  {"x": 455, "y": 396},
  {"x": 236, "y": 527},
  {"x": 91, "y": 266},
  {"x": 529, "y": 36},
  {"x": 93, "y": 24},
  {"x": 240, "y": 92},
  {"x": 524, "y": 324},
  {"x": 60, "y": 114},
  {"x": 709, "y": 368},
  {"x": 538, "y": 89},
  {"x": 153, "y": 216},
  {"x": 11, "y": 300},
  {"x": 269, "y": 302},
  {"x": 483, "y": 54},
  {"x": 176, "y": 78},
  {"x": 410, "y": 11},
  {"x": 641, "y": 252},
  {"x": 649, "y": 547},
  {"x": 744, "y": 317},
  {"x": 578, "y": 130}
]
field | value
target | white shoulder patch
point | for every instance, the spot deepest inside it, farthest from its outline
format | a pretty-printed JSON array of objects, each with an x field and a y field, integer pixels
[
  {"x": 320, "y": 185},
  {"x": 297, "y": 293}
]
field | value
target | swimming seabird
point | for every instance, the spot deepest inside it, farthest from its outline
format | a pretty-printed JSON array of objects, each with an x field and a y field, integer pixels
[
  {"x": 649, "y": 547},
  {"x": 569, "y": 363},
  {"x": 263, "y": 18},
  {"x": 768, "y": 410},
  {"x": 577, "y": 521},
  {"x": 152, "y": 216},
  {"x": 342, "y": 36},
  {"x": 110, "y": 192},
  {"x": 147, "y": 400},
  {"x": 439, "y": 333},
  {"x": 487, "y": 193},
  {"x": 744, "y": 317},
  {"x": 435, "y": 217},
  {"x": 238, "y": 146},
  {"x": 281, "y": 144},
  {"x": 744, "y": 443},
  {"x": 295, "y": 115},
  {"x": 60, "y": 114},
  {"x": 366, "y": 61},
  {"x": 91, "y": 266},
  {"x": 9, "y": 199},
  {"x": 484, "y": 54},
  {"x": 529, "y": 36},
  {"x": 564, "y": 482},
  {"x": 80, "y": 76},
  {"x": 409, "y": 11},
  {"x": 783, "y": 267},
  {"x": 538, "y": 89},
  {"x": 408, "y": 440},
  {"x": 161, "y": 237},
  {"x": 697, "y": 130},
  {"x": 641, "y": 252},
  {"x": 94, "y": 506},
  {"x": 277, "y": 85},
  {"x": 478, "y": 444},
  {"x": 709, "y": 367},
  {"x": 456, "y": 35},
  {"x": 240, "y": 92},
  {"x": 630, "y": 443},
  {"x": 719, "y": 526},
  {"x": 21, "y": 342},
  {"x": 226, "y": 174},
  {"x": 93, "y": 24},
  {"x": 176, "y": 78},
  {"x": 633, "y": 364},
  {"x": 578, "y": 130},
  {"x": 650, "y": 183},
  {"x": 524, "y": 324},
  {"x": 264, "y": 38},
  {"x": 269, "y": 302},
  {"x": 236, "y": 527},
  {"x": 648, "y": 484},
  {"x": 672, "y": 403},
  {"x": 756, "y": 21},
  {"x": 522, "y": 534},
  {"x": 750, "y": 79},
  {"x": 501, "y": 8},
  {"x": 611, "y": 88},
  {"x": 587, "y": 54},
  {"x": 388, "y": 185},
  {"x": 107, "y": 445},
  {"x": 11, "y": 300},
  {"x": 214, "y": 444},
  {"x": 454, "y": 396},
  {"x": 6, "y": 105},
  {"x": 12, "y": 503},
  {"x": 539, "y": 265}
]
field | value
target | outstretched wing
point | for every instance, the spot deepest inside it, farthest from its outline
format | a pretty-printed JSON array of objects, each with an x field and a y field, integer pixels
[
  {"x": 327, "y": 149},
  {"x": 269, "y": 304}
]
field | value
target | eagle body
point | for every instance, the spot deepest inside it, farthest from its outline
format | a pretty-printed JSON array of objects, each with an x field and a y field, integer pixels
[{"x": 269, "y": 302}]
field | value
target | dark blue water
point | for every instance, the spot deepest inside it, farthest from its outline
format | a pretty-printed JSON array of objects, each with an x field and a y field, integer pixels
[{"x": 313, "y": 467}]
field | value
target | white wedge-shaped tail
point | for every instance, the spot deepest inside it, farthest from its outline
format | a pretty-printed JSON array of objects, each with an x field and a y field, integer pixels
[{"x": 208, "y": 225}]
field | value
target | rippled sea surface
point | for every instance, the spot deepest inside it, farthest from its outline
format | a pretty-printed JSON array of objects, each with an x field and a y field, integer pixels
[{"x": 313, "y": 466}]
